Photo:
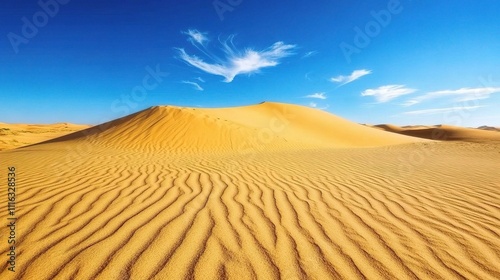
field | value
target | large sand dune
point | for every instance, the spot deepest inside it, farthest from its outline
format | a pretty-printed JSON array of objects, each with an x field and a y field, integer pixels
[
  {"x": 270, "y": 191},
  {"x": 266, "y": 126}
]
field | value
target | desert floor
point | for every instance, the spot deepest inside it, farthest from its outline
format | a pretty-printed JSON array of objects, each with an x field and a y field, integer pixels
[{"x": 111, "y": 204}]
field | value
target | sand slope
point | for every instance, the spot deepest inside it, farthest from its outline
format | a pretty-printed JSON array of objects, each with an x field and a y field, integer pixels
[
  {"x": 17, "y": 135},
  {"x": 445, "y": 132},
  {"x": 113, "y": 207}
]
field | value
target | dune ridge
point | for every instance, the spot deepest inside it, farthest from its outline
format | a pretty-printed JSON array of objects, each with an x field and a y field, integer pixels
[{"x": 131, "y": 207}]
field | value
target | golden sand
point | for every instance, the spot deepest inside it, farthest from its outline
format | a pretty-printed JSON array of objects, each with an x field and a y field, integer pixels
[{"x": 270, "y": 191}]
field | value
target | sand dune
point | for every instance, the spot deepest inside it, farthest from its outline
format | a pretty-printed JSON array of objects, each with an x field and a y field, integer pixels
[
  {"x": 168, "y": 193},
  {"x": 491, "y": 128},
  {"x": 445, "y": 132},
  {"x": 265, "y": 126},
  {"x": 18, "y": 135}
]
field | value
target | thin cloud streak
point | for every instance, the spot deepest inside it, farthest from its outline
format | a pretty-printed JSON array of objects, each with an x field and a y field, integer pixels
[
  {"x": 309, "y": 54},
  {"x": 356, "y": 74},
  {"x": 387, "y": 93},
  {"x": 318, "y": 95},
  {"x": 195, "y": 85},
  {"x": 461, "y": 95},
  {"x": 441, "y": 110}
]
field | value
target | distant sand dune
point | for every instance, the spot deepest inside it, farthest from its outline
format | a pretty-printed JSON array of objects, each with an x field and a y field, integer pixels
[
  {"x": 490, "y": 128},
  {"x": 18, "y": 135},
  {"x": 446, "y": 132},
  {"x": 132, "y": 200}
]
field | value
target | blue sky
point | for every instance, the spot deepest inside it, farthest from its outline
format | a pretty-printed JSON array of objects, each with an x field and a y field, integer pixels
[{"x": 392, "y": 61}]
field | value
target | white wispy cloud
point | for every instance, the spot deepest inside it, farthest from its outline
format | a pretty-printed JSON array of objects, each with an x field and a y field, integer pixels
[
  {"x": 313, "y": 104},
  {"x": 235, "y": 61},
  {"x": 459, "y": 95},
  {"x": 196, "y": 36},
  {"x": 356, "y": 74},
  {"x": 387, "y": 93},
  {"x": 195, "y": 85},
  {"x": 441, "y": 110},
  {"x": 309, "y": 54},
  {"x": 318, "y": 95}
]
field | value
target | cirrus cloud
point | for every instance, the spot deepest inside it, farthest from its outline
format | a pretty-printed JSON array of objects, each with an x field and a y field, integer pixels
[
  {"x": 387, "y": 93},
  {"x": 309, "y": 54},
  {"x": 460, "y": 95},
  {"x": 195, "y": 85},
  {"x": 441, "y": 110},
  {"x": 318, "y": 95},
  {"x": 356, "y": 74},
  {"x": 235, "y": 61},
  {"x": 196, "y": 36}
]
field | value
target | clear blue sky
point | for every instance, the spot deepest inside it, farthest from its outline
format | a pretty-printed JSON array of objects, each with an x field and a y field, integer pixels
[{"x": 402, "y": 62}]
